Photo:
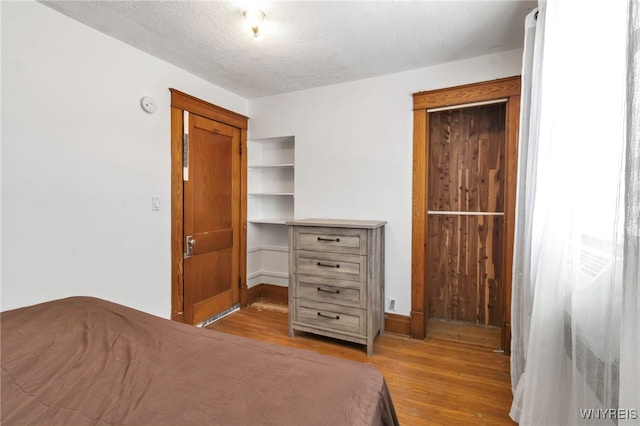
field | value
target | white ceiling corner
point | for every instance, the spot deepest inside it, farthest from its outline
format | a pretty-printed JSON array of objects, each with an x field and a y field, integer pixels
[{"x": 305, "y": 44}]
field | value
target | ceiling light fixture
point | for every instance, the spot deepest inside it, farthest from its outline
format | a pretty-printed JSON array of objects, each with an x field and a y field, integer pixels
[{"x": 255, "y": 18}]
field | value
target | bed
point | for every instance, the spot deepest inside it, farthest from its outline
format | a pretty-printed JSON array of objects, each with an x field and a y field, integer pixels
[{"x": 84, "y": 360}]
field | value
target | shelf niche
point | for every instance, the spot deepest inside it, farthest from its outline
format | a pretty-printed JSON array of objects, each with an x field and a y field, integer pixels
[{"x": 270, "y": 204}]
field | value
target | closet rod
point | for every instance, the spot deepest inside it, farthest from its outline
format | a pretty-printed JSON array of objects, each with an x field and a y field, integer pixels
[
  {"x": 494, "y": 101},
  {"x": 465, "y": 213}
]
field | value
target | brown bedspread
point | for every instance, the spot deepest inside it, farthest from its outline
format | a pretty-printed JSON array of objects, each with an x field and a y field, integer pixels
[{"x": 82, "y": 360}]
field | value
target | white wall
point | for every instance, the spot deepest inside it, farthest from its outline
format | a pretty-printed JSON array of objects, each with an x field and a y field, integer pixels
[
  {"x": 354, "y": 145},
  {"x": 81, "y": 161}
]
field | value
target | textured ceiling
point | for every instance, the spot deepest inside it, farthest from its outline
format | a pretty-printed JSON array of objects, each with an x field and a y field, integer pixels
[{"x": 306, "y": 43}]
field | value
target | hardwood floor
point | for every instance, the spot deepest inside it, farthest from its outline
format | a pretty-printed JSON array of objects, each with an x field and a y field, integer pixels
[
  {"x": 441, "y": 381},
  {"x": 478, "y": 335}
]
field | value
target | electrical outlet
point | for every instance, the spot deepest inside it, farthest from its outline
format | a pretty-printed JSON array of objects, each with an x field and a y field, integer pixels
[{"x": 392, "y": 304}]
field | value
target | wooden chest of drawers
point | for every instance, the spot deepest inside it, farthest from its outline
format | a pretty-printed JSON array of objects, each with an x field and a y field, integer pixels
[{"x": 336, "y": 279}]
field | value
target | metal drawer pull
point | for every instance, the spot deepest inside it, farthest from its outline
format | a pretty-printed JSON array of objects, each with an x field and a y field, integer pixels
[
  {"x": 329, "y": 291},
  {"x": 337, "y": 317},
  {"x": 336, "y": 240},
  {"x": 328, "y": 265}
]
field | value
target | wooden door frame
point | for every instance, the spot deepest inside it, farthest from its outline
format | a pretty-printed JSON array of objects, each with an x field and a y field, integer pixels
[
  {"x": 505, "y": 88},
  {"x": 181, "y": 102}
]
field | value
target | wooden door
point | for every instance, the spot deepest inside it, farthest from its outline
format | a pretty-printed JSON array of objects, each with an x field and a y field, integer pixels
[
  {"x": 211, "y": 219},
  {"x": 208, "y": 208},
  {"x": 465, "y": 214}
]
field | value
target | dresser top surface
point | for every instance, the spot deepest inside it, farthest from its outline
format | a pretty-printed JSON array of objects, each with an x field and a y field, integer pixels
[{"x": 339, "y": 223}]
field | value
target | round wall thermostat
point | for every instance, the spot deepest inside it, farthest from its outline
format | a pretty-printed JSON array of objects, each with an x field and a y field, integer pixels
[{"x": 148, "y": 104}]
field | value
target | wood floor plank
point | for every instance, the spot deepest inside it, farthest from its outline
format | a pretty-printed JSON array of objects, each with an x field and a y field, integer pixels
[{"x": 440, "y": 381}]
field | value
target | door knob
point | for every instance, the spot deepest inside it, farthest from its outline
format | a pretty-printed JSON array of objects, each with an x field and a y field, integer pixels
[{"x": 190, "y": 243}]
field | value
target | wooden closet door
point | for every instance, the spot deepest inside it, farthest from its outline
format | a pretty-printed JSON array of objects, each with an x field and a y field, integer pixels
[{"x": 465, "y": 241}]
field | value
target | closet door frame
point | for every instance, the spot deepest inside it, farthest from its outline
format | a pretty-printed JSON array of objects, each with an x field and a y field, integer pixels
[{"x": 505, "y": 88}]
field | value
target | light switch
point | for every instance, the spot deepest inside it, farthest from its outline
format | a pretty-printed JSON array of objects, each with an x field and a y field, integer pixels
[{"x": 155, "y": 204}]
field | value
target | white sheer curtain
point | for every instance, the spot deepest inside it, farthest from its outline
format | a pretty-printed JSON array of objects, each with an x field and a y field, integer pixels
[
  {"x": 575, "y": 231},
  {"x": 630, "y": 335}
]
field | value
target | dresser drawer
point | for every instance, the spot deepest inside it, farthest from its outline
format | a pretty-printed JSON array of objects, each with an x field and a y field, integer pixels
[
  {"x": 330, "y": 291},
  {"x": 331, "y": 317},
  {"x": 331, "y": 265},
  {"x": 334, "y": 240}
]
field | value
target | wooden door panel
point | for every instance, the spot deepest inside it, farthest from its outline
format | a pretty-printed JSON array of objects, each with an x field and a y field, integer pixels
[
  {"x": 211, "y": 177},
  {"x": 211, "y": 219},
  {"x": 212, "y": 271},
  {"x": 465, "y": 246},
  {"x": 213, "y": 240},
  {"x": 214, "y": 292},
  {"x": 465, "y": 268},
  {"x": 466, "y": 159}
]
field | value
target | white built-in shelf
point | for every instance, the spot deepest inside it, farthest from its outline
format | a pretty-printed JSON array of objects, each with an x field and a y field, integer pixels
[
  {"x": 272, "y": 193},
  {"x": 270, "y": 205},
  {"x": 270, "y": 221},
  {"x": 271, "y": 166},
  {"x": 283, "y": 249}
]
